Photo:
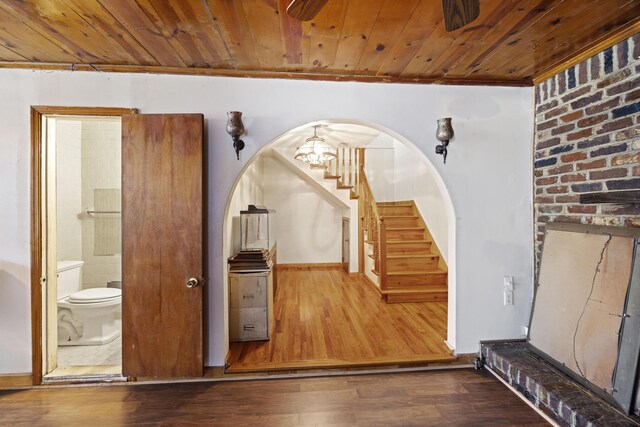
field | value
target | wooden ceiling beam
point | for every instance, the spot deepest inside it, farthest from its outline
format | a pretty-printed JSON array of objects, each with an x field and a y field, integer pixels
[
  {"x": 299, "y": 75},
  {"x": 359, "y": 40}
]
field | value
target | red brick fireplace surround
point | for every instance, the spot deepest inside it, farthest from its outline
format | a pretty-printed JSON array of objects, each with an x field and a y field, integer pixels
[{"x": 587, "y": 139}]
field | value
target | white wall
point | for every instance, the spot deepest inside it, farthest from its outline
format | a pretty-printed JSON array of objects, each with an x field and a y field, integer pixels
[
  {"x": 309, "y": 228},
  {"x": 68, "y": 189},
  {"x": 488, "y": 176},
  {"x": 101, "y": 168},
  {"x": 415, "y": 181},
  {"x": 379, "y": 166}
]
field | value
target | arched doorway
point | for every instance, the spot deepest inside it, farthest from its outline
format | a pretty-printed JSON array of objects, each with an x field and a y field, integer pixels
[{"x": 410, "y": 173}]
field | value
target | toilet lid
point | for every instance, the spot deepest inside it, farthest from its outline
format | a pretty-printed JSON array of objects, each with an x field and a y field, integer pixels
[{"x": 92, "y": 295}]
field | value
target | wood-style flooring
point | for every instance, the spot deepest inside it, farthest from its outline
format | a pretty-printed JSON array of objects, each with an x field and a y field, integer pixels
[
  {"x": 461, "y": 397},
  {"x": 326, "y": 318}
]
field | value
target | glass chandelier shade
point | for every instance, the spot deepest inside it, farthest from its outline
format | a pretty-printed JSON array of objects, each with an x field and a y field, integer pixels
[{"x": 315, "y": 151}]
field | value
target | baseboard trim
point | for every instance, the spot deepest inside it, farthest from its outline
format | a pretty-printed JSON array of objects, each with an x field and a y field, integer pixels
[
  {"x": 16, "y": 380},
  {"x": 214, "y": 371},
  {"x": 311, "y": 266}
]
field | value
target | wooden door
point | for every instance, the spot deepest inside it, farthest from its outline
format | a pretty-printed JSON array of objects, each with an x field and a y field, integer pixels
[
  {"x": 162, "y": 271},
  {"x": 345, "y": 244}
]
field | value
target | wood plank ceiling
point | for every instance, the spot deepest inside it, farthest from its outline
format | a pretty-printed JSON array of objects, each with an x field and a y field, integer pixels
[{"x": 513, "y": 42}]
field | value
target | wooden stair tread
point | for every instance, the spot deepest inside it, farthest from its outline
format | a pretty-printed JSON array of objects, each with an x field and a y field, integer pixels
[
  {"x": 389, "y": 204},
  {"x": 399, "y": 242},
  {"x": 345, "y": 187},
  {"x": 415, "y": 291},
  {"x": 404, "y": 228},
  {"x": 332, "y": 177},
  {"x": 400, "y": 216},
  {"x": 412, "y": 255},
  {"x": 410, "y": 273}
]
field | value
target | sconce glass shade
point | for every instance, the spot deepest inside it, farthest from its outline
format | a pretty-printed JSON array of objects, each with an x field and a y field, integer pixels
[
  {"x": 235, "y": 128},
  {"x": 234, "y": 123},
  {"x": 444, "y": 131},
  {"x": 315, "y": 151}
]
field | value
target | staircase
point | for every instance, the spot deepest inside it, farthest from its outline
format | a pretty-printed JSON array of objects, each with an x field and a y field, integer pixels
[
  {"x": 415, "y": 270},
  {"x": 407, "y": 263},
  {"x": 346, "y": 170}
]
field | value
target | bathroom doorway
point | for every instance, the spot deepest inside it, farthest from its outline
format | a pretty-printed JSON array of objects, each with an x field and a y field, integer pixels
[{"x": 80, "y": 236}]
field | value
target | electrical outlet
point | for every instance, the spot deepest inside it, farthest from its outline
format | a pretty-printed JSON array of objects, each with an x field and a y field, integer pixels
[
  {"x": 508, "y": 290},
  {"x": 525, "y": 331}
]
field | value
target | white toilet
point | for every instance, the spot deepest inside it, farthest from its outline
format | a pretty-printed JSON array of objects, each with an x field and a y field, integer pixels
[{"x": 85, "y": 317}]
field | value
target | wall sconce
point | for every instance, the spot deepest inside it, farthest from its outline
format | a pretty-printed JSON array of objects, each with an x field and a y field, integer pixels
[
  {"x": 235, "y": 128},
  {"x": 444, "y": 134}
]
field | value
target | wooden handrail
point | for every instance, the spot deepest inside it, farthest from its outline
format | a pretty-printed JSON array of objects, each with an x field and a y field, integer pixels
[
  {"x": 375, "y": 227},
  {"x": 382, "y": 252},
  {"x": 347, "y": 167}
]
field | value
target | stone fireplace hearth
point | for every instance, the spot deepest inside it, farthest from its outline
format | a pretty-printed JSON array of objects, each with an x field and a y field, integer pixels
[{"x": 553, "y": 392}]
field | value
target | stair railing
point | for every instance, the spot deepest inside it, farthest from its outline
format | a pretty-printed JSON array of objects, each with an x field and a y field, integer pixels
[
  {"x": 375, "y": 227},
  {"x": 347, "y": 168}
]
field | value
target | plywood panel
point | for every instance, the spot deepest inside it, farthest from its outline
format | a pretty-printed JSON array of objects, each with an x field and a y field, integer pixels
[{"x": 580, "y": 301}]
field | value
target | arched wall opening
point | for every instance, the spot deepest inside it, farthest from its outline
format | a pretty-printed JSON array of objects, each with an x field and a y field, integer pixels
[{"x": 445, "y": 239}]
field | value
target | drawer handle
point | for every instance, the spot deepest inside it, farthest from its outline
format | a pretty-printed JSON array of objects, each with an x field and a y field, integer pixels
[{"x": 249, "y": 327}]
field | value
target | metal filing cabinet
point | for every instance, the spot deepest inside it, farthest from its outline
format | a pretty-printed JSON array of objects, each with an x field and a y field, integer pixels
[{"x": 250, "y": 306}]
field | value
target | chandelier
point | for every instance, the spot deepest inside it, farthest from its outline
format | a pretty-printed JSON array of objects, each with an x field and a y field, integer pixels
[{"x": 315, "y": 151}]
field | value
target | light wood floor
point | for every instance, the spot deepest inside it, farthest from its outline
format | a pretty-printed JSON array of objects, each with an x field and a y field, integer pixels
[
  {"x": 461, "y": 397},
  {"x": 326, "y": 318}
]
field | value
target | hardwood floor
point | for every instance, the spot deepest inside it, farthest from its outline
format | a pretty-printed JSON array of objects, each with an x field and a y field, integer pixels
[
  {"x": 326, "y": 318},
  {"x": 461, "y": 397}
]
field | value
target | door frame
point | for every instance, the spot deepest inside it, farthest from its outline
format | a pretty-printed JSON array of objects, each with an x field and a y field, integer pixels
[
  {"x": 37, "y": 113},
  {"x": 346, "y": 238}
]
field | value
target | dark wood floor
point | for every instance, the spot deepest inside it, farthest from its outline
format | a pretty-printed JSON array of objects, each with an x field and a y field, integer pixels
[
  {"x": 326, "y": 318},
  {"x": 436, "y": 398}
]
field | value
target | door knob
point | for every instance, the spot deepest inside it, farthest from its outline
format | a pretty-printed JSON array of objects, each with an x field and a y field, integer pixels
[{"x": 193, "y": 283}]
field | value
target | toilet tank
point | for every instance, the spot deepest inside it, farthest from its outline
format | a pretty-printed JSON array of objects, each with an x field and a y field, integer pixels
[{"x": 69, "y": 278}]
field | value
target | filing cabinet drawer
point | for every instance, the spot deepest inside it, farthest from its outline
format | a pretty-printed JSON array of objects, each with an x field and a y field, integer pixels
[
  {"x": 248, "y": 324},
  {"x": 248, "y": 291}
]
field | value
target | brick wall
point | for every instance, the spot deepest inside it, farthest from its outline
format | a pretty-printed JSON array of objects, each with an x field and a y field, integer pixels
[{"x": 588, "y": 139}]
